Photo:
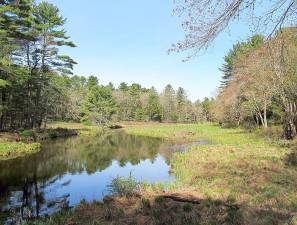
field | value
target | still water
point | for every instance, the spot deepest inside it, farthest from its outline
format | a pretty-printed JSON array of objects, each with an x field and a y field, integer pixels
[{"x": 68, "y": 170}]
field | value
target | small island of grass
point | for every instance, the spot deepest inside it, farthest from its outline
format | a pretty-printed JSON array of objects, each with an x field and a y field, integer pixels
[{"x": 10, "y": 150}]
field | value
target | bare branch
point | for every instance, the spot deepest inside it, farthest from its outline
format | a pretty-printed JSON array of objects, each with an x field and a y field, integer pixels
[{"x": 204, "y": 20}]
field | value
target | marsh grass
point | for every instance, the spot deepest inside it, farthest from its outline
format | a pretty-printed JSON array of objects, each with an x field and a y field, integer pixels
[
  {"x": 18, "y": 144},
  {"x": 82, "y": 129},
  {"x": 241, "y": 165},
  {"x": 10, "y": 150}
]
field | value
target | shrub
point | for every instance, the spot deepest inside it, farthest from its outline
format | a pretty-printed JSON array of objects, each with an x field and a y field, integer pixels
[
  {"x": 27, "y": 133},
  {"x": 87, "y": 122},
  {"x": 124, "y": 186},
  {"x": 52, "y": 133}
]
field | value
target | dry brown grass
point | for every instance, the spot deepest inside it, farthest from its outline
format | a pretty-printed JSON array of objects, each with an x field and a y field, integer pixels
[{"x": 154, "y": 209}]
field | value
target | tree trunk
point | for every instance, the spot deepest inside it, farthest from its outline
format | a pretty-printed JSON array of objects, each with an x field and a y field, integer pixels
[
  {"x": 265, "y": 116},
  {"x": 257, "y": 120},
  {"x": 261, "y": 118},
  {"x": 290, "y": 118}
]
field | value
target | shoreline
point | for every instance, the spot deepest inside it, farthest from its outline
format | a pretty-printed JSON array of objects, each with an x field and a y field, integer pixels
[
  {"x": 232, "y": 181},
  {"x": 26, "y": 142}
]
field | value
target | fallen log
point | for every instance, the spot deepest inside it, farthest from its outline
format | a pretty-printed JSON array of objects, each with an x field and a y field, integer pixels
[
  {"x": 182, "y": 199},
  {"x": 194, "y": 200}
]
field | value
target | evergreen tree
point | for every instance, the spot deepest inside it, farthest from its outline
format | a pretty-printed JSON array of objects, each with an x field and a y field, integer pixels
[
  {"x": 168, "y": 103},
  {"x": 153, "y": 107},
  {"x": 99, "y": 105},
  {"x": 123, "y": 86},
  {"x": 181, "y": 99},
  {"x": 92, "y": 82},
  {"x": 134, "y": 100},
  {"x": 206, "y": 108},
  {"x": 35, "y": 33},
  {"x": 111, "y": 86}
]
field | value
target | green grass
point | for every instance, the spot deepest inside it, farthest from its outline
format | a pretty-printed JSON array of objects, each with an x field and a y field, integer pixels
[
  {"x": 27, "y": 133},
  {"x": 10, "y": 150},
  {"x": 13, "y": 145},
  {"x": 82, "y": 129},
  {"x": 237, "y": 164},
  {"x": 192, "y": 132}
]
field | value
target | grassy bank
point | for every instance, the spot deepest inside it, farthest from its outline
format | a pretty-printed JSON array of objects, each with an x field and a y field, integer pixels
[
  {"x": 18, "y": 144},
  {"x": 10, "y": 150},
  {"x": 239, "y": 178},
  {"x": 82, "y": 129},
  {"x": 253, "y": 171}
]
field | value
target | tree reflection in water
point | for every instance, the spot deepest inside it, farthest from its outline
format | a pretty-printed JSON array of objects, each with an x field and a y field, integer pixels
[{"x": 31, "y": 186}]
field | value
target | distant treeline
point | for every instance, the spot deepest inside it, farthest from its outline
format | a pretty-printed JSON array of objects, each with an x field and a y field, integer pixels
[
  {"x": 37, "y": 85},
  {"x": 87, "y": 101}
]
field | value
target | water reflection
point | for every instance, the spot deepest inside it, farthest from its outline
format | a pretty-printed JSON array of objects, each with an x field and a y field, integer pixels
[{"x": 67, "y": 170}]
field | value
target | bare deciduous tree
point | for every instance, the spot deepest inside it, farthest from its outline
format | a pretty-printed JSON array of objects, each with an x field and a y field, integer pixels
[{"x": 204, "y": 20}]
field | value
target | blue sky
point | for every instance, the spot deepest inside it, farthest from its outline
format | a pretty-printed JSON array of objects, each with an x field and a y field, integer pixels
[{"x": 128, "y": 41}]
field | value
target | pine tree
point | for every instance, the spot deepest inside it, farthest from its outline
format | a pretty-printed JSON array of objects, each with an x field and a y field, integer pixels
[
  {"x": 181, "y": 99},
  {"x": 168, "y": 103},
  {"x": 153, "y": 107},
  {"x": 99, "y": 105}
]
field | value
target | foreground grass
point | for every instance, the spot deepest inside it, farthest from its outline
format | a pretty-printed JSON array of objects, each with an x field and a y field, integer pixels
[
  {"x": 11, "y": 150},
  {"x": 149, "y": 210},
  {"x": 239, "y": 178}
]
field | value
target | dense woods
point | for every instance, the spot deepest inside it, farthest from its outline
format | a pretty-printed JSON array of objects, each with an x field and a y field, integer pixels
[
  {"x": 259, "y": 85},
  {"x": 30, "y": 65},
  {"x": 86, "y": 100}
]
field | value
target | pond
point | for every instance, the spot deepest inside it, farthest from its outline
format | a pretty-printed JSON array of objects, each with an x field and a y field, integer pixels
[{"x": 68, "y": 170}]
